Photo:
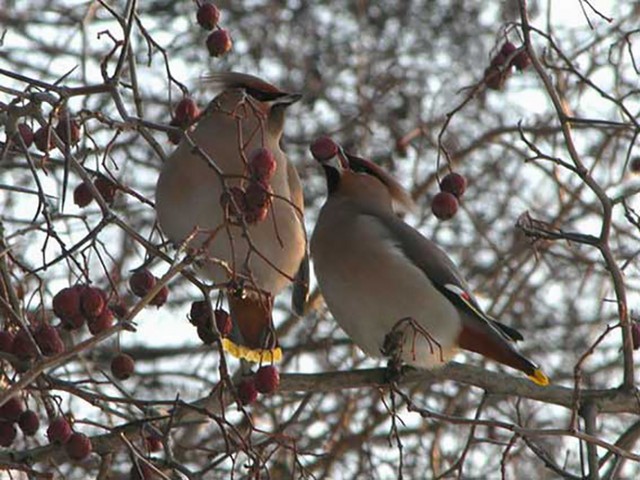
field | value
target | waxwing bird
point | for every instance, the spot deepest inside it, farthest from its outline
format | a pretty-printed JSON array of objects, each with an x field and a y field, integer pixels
[
  {"x": 383, "y": 280},
  {"x": 204, "y": 200}
]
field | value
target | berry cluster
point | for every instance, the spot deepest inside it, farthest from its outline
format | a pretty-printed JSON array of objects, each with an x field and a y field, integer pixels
[
  {"x": 142, "y": 282},
  {"x": 219, "y": 41},
  {"x": 445, "y": 203},
  {"x": 498, "y": 71},
  {"x": 12, "y": 413},
  {"x": 252, "y": 203},
  {"x": 82, "y": 195},
  {"x": 77, "y": 445},
  {"x": 200, "y": 317},
  {"x": 67, "y": 128},
  {"x": 81, "y": 304},
  {"x": 265, "y": 381}
]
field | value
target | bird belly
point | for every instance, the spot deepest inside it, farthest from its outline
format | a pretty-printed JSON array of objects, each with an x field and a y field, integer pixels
[{"x": 372, "y": 289}]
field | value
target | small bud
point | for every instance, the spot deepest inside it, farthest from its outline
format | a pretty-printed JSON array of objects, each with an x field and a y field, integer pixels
[
  {"x": 219, "y": 43},
  {"x": 208, "y": 16},
  {"x": 78, "y": 446},
  {"x": 444, "y": 205},
  {"x": 122, "y": 366},
  {"x": 267, "y": 379},
  {"x": 323, "y": 149}
]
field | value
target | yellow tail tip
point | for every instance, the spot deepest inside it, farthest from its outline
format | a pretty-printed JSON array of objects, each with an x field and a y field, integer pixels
[
  {"x": 539, "y": 378},
  {"x": 255, "y": 355}
]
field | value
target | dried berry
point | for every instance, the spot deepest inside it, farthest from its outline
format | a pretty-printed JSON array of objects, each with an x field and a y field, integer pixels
[
  {"x": 48, "y": 339},
  {"x": 66, "y": 303},
  {"x": 43, "y": 139},
  {"x": 7, "y": 433},
  {"x": 82, "y": 195},
  {"x": 141, "y": 282},
  {"x": 507, "y": 49},
  {"x": 208, "y": 16},
  {"x": 454, "y": 183},
  {"x": 23, "y": 347},
  {"x": 78, "y": 446},
  {"x": 106, "y": 187},
  {"x": 12, "y": 409},
  {"x": 323, "y": 149},
  {"x": 122, "y": 366},
  {"x": 219, "y": 43},
  {"x": 262, "y": 164},
  {"x": 161, "y": 297},
  {"x": 26, "y": 133},
  {"x": 102, "y": 322},
  {"x": 444, "y": 205},
  {"x": 29, "y": 422},
  {"x": 247, "y": 393},
  {"x": 59, "y": 430},
  {"x": 267, "y": 379},
  {"x": 199, "y": 314},
  {"x": 68, "y": 130},
  {"x": 258, "y": 200},
  {"x": 635, "y": 335},
  {"x": 92, "y": 302}
]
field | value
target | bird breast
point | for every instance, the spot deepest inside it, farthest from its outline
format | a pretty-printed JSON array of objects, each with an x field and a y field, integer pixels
[{"x": 370, "y": 286}]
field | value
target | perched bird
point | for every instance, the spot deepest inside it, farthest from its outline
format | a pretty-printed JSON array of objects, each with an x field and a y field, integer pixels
[
  {"x": 392, "y": 290},
  {"x": 247, "y": 219}
]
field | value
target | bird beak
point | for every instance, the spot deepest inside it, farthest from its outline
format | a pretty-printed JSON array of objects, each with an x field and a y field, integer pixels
[{"x": 287, "y": 99}]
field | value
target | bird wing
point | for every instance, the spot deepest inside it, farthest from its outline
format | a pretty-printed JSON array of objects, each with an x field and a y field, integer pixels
[
  {"x": 480, "y": 333},
  {"x": 300, "y": 293}
]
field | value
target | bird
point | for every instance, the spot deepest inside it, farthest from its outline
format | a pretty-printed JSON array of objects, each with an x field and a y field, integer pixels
[
  {"x": 195, "y": 201},
  {"x": 391, "y": 289}
]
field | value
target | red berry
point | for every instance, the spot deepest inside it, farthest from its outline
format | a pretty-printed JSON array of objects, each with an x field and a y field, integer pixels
[
  {"x": 219, "y": 43},
  {"x": 635, "y": 335},
  {"x": 29, "y": 423},
  {"x": 43, "y": 139},
  {"x": 82, "y": 195},
  {"x": 6, "y": 341},
  {"x": 262, "y": 164},
  {"x": 7, "y": 433},
  {"x": 160, "y": 298},
  {"x": 48, "y": 339},
  {"x": 59, "y": 430},
  {"x": 199, "y": 314},
  {"x": 153, "y": 443},
  {"x": 454, "y": 183},
  {"x": 247, "y": 393},
  {"x": 106, "y": 188},
  {"x": 78, "y": 446},
  {"x": 102, "y": 322},
  {"x": 206, "y": 334},
  {"x": 74, "y": 322},
  {"x": 26, "y": 133},
  {"x": 522, "y": 60},
  {"x": 92, "y": 302},
  {"x": 66, "y": 303},
  {"x": 444, "y": 205},
  {"x": 68, "y": 130},
  {"x": 122, "y": 366},
  {"x": 267, "y": 379},
  {"x": 141, "y": 282},
  {"x": 186, "y": 112},
  {"x": 23, "y": 347},
  {"x": 258, "y": 199},
  {"x": 208, "y": 16},
  {"x": 223, "y": 322},
  {"x": 323, "y": 149},
  {"x": 507, "y": 49},
  {"x": 12, "y": 409}
]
